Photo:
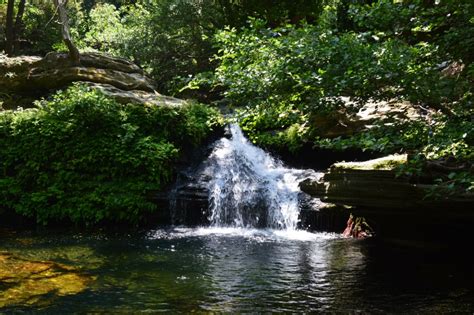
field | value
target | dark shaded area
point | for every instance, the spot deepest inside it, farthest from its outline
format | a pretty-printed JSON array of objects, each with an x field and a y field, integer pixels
[
  {"x": 423, "y": 229},
  {"x": 327, "y": 219},
  {"x": 310, "y": 156}
]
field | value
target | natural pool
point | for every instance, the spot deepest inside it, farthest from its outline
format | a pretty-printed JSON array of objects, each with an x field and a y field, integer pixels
[{"x": 234, "y": 270}]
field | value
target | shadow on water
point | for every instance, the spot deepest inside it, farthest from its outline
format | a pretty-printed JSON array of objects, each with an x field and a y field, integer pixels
[{"x": 246, "y": 270}]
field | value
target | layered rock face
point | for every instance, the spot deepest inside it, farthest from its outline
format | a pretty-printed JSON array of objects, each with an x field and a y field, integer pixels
[
  {"x": 116, "y": 77},
  {"x": 375, "y": 184},
  {"x": 366, "y": 184},
  {"x": 397, "y": 207}
]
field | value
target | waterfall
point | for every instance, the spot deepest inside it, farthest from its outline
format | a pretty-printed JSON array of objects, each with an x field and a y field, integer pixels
[{"x": 250, "y": 188}]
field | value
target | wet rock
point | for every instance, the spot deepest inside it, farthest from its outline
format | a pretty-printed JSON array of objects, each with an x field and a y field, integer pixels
[
  {"x": 186, "y": 202},
  {"x": 327, "y": 218}
]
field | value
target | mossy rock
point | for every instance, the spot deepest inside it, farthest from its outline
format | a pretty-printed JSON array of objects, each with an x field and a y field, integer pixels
[{"x": 387, "y": 163}]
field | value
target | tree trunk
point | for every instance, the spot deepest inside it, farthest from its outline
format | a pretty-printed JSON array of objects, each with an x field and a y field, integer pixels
[
  {"x": 18, "y": 24},
  {"x": 9, "y": 32},
  {"x": 73, "y": 51}
]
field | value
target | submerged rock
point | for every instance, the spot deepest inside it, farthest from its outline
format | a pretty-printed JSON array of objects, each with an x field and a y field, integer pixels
[{"x": 27, "y": 282}]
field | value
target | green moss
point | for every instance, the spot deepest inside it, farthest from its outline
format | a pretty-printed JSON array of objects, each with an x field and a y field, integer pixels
[{"x": 388, "y": 163}]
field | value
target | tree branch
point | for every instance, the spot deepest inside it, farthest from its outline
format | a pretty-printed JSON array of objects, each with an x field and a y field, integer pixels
[{"x": 66, "y": 35}]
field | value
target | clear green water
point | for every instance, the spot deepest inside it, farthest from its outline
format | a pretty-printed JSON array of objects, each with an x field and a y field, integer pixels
[{"x": 245, "y": 271}]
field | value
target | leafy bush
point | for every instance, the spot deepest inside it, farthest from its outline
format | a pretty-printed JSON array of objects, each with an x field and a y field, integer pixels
[
  {"x": 86, "y": 158},
  {"x": 282, "y": 78},
  {"x": 172, "y": 39},
  {"x": 275, "y": 127},
  {"x": 448, "y": 24},
  {"x": 104, "y": 30},
  {"x": 307, "y": 65}
]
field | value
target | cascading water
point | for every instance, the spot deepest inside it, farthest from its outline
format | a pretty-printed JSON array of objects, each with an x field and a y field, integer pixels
[{"x": 250, "y": 188}]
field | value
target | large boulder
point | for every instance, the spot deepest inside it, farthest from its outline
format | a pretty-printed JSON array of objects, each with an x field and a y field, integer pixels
[
  {"x": 116, "y": 77},
  {"x": 375, "y": 184},
  {"x": 396, "y": 207},
  {"x": 26, "y": 74}
]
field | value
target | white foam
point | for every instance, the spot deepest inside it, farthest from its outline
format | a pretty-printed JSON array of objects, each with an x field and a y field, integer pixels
[
  {"x": 246, "y": 180},
  {"x": 260, "y": 235}
]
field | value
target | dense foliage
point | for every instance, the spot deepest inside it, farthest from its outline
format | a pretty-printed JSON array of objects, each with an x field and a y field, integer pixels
[
  {"x": 294, "y": 69},
  {"x": 291, "y": 80},
  {"x": 85, "y": 158},
  {"x": 172, "y": 39}
]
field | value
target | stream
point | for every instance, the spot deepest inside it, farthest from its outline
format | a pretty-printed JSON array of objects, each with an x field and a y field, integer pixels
[
  {"x": 251, "y": 258},
  {"x": 243, "y": 270}
]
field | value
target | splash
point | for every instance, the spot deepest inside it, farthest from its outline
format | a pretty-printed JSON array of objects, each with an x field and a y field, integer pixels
[
  {"x": 252, "y": 234},
  {"x": 250, "y": 188}
]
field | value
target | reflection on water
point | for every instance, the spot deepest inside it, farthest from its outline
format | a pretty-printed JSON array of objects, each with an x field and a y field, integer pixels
[{"x": 245, "y": 270}]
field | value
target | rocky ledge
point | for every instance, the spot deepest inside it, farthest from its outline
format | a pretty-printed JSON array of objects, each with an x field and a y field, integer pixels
[
  {"x": 397, "y": 207},
  {"x": 375, "y": 184},
  {"x": 118, "y": 78}
]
